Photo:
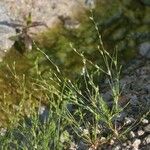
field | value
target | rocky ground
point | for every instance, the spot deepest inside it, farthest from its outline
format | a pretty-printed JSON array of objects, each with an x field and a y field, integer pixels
[
  {"x": 135, "y": 84},
  {"x": 136, "y": 92}
]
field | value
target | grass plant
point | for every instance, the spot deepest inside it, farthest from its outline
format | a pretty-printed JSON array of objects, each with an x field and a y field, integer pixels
[{"x": 76, "y": 112}]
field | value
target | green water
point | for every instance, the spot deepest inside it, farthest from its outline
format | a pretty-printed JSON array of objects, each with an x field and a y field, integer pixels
[{"x": 124, "y": 24}]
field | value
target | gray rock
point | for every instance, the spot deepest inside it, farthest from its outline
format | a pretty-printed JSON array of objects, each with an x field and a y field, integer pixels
[
  {"x": 14, "y": 14},
  {"x": 147, "y": 128},
  {"x": 147, "y": 140},
  {"x": 134, "y": 100},
  {"x": 144, "y": 49},
  {"x": 107, "y": 96},
  {"x": 147, "y": 88},
  {"x": 121, "y": 116},
  {"x": 83, "y": 146},
  {"x": 5, "y": 32}
]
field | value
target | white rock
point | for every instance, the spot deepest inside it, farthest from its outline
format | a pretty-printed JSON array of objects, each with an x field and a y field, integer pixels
[
  {"x": 112, "y": 142},
  {"x": 102, "y": 139},
  {"x": 144, "y": 121},
  {"x": 129, "y": 120},
  {"x": 3, "y": 131},
  {"x": 147, "y": 140},
  {"x": 132, "y": 134},
  {"x": 140, "y": 132},
  {"x": 73, "y": 146},
  {"x": 136, "y": 144},
  {"x": 117, "y": 147}
]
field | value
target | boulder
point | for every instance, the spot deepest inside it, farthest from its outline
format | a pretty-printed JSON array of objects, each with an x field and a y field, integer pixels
[{"x": 14, "y": 14}]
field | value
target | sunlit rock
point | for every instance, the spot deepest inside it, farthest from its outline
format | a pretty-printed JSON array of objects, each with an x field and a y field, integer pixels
[{"x": 44, "y": 14}]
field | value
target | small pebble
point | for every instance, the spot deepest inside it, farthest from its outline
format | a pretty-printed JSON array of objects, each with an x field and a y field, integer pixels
[
  {"x": 112, "y": 142},
  {"x": 73, "y": 146},
  {"x": 134, "y": 100},
  {"x": 132, "y": 134},
  {"x": 147, "y": 140},
  {"x": 140, "y": 132},
  {"x": 128, "y": 147},
  {"x": 136, "y": 144},
  {"x": 3, "y": 131},
  {"x": 82, "y": 146},
  {"x": 129, "y": 143},
  {"x": 117, "y": 147},
  {"x": 85, "y": 131},
  {"x": 144, "y": 121},
  {"x": 103, "y": 139},
  {"x": 121, "y": 116},
  {"x": 129, "y": 120},
  {"x": 124, "y": 144},
  {"x": 147, "y": 128}
]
